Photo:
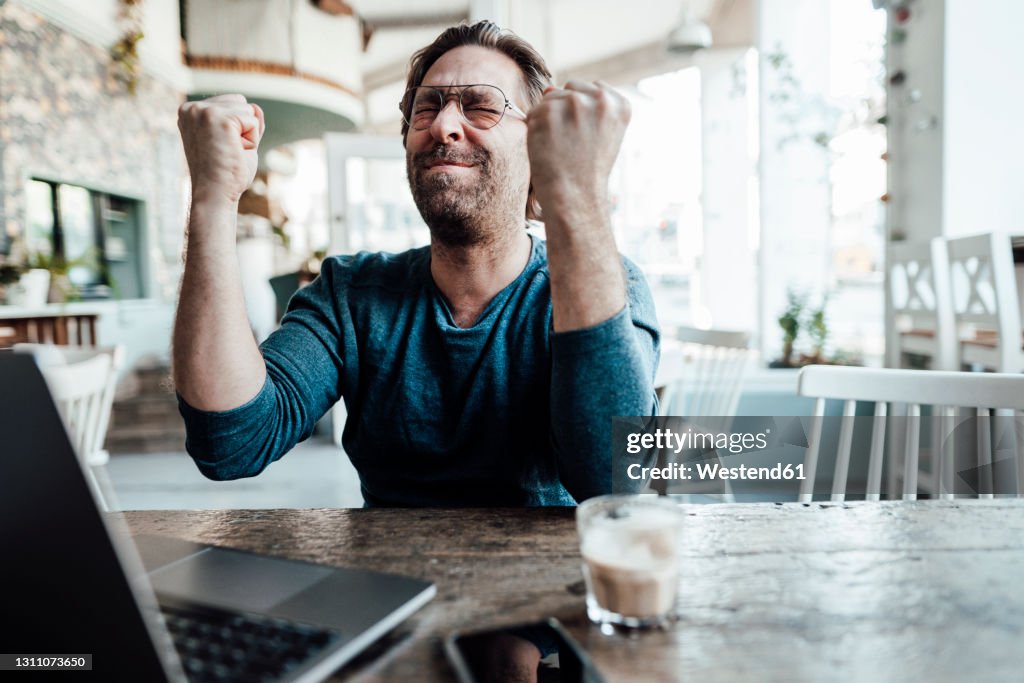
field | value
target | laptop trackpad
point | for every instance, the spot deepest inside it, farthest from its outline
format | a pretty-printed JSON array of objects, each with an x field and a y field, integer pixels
[{"x": 231, "y": 579}]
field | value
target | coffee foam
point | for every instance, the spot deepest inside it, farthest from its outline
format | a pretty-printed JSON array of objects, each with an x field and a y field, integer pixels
[{"x": 631, "y": 565}]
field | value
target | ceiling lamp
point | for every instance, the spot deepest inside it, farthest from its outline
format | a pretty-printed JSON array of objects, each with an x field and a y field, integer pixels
[{"x": 690, "y": 35}]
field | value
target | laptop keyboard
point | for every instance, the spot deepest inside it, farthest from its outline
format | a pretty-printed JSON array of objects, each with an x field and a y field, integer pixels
[{"x": 226, "y": 646}]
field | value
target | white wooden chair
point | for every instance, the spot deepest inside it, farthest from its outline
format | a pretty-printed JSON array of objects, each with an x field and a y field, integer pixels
[
  {"x": 921, "y": 320},
  {"x": 707, "y": 383},
  {"x": 920, "y": 305},
  {"x": 915, "y": 388},
  {"x": 985, "y": 302},
  {"x": 713, "y": 365},
  {"x": 82, "y": 382}
]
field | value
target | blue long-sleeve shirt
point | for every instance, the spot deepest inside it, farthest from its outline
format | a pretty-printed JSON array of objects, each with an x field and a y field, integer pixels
[{"x": 506, "y": 412}]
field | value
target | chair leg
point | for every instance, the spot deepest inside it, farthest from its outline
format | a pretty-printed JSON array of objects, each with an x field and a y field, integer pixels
[
  {"x": 984, "y": 454},
  {"x": 911, "y": 452},
  {"x": 102, "y": 488},
  {"x": 1005, "y": 470},
  {"x": 947, "y": 453},
  {"x": 928, "y": 482},
  {"x": 1019, "y": 437},
  {"x": 896, "y": 437}
]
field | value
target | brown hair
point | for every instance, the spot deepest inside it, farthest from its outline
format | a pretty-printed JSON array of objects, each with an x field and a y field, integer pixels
[{"x": 536, "y": 75}]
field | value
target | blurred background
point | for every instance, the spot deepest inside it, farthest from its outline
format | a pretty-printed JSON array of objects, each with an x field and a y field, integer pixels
[{"x": 776, "y": 147}]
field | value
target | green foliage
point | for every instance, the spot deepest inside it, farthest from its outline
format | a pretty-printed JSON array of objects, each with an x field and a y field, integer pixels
[
  {"x": 124, "y": 54},
  {"x": 789, "y": 321},
  {"x": 817, "y": 328},
  {"x": 279, "y": 232},
  {"x": 60, "y": 267},
  {"x": 798, "y": 319}
]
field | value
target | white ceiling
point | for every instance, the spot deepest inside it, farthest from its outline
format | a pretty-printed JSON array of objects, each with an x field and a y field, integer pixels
[
  {"x": 393, "y": 9},
  {"x": 571, "y": 34}
]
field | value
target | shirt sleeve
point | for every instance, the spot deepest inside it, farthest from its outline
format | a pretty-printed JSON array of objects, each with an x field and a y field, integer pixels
[
  {"x": 599, "y": 373},
  {"x": 304, "y": 366}
]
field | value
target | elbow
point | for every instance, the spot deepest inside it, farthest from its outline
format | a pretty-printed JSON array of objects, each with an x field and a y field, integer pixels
[
  {"x": 239, "y": 443},
  {"x": 219, "y": 471},
  {"x": 225, "y": 466}
]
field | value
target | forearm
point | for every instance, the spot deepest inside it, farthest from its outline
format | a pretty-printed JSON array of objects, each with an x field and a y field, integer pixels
[
  {"x": 216, "y": 362},
  {"x": 587, "y": 283},
  {"x": 597, "y": 374},
  {"x": 303, "y": 361},
  {"x": 574, "y": 136}
]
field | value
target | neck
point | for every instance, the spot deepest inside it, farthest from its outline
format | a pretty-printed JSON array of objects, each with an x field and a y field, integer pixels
[{"x": 470, "y": 276}]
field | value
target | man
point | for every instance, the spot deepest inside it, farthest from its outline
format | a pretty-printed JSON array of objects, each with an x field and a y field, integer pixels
[{"x": 483, "y": 370}]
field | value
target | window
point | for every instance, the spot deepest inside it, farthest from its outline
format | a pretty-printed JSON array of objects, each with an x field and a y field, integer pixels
[
  {"x": 95, "y": 235},
  {"x": 656, "y": 191}
]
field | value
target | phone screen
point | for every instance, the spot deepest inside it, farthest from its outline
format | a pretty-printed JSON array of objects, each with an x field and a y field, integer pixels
[{"x": 540, "y": 652}]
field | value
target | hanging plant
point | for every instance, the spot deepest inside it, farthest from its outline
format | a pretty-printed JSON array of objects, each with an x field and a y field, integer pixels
[{"x": 125, "y": 52}]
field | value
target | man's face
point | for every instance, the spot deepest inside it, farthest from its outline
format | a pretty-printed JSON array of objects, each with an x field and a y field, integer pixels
[{"x": 469, "y": 182}]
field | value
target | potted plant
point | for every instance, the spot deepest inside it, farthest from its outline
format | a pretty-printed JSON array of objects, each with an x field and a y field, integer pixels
[
  {"x": 789, "y": 321},
  {"x": 22, "y": 282},
  {"x": 817, "y": 330},
  {"x": 797, "y": 318},
  {"x": 61, "y": 289}
]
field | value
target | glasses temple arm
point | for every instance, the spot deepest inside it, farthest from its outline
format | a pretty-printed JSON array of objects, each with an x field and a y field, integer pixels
[{"x": 514, "y": 108}]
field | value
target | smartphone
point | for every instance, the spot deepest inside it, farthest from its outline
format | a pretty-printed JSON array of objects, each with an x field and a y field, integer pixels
[{"x": 539, "y": 652}]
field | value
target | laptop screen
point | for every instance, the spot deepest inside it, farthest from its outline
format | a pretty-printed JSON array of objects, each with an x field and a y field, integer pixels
[{"x": 64, "y": 589}]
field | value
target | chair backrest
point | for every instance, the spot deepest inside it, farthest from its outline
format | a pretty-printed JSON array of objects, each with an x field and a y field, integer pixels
[
  {"x": 82, "y": 382},
  {"x": 984, "y": 290},
  {"x": 920, "y": 298},
  {"x": 715, "y": 363},
  {"x": 726, "y": 338},
  {"x": 914, "y": 388}
]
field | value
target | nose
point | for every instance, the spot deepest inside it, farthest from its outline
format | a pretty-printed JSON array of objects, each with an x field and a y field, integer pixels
[{"x": 447, "y": 127}]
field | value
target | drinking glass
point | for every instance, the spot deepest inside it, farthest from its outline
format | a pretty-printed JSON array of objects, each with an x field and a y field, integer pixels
[{"x": 630, "y": 547}]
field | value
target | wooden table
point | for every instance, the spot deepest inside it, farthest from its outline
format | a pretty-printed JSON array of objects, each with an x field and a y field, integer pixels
[
  {"x": 52, "y": 324},
  {"x": 892, "y": 591}
]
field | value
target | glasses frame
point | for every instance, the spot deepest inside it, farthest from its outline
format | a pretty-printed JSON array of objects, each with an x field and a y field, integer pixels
[{"x": 445, "y": 96}]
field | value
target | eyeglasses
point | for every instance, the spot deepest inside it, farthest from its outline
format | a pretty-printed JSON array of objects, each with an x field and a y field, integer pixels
[{"x": 483, "y": 106}]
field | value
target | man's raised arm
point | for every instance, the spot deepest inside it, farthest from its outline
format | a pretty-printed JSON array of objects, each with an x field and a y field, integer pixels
[
  {"x": 217, "y": 364},
  {"x": 574, "y": 137},
  {"x": 605, "y": 347}
]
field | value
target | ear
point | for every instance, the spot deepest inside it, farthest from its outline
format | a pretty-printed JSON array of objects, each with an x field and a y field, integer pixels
[{"x": 533, "y": 208}]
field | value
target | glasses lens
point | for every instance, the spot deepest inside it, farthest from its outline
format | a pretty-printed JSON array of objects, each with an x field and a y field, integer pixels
[
  {"x": 423, "y": 107},
  {"x": 483, "y": 105}
]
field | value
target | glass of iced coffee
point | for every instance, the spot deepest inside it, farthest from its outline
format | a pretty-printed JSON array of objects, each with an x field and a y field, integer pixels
[{"x": 630, "y": 546}]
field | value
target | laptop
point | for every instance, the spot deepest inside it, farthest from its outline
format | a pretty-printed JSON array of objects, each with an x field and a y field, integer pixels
[{"x": 159, "y": 609}]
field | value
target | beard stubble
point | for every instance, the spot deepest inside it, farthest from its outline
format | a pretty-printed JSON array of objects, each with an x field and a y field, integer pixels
[{"x": 461, "y": 211}]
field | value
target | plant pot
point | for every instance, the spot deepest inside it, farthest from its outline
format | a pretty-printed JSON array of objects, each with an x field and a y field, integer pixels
[
  {"x": 61, "y": 288},
  {"x": 31, "y": 290}
]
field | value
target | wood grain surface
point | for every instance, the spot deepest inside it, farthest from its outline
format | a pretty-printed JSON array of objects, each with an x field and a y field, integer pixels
[{"x": 892, "y": 591}]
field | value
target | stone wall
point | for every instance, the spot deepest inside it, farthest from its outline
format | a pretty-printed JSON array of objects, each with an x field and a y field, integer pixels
[{"x": 64, "y": 117}]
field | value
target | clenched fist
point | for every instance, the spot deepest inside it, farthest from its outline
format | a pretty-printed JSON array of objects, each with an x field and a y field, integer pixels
[
  {"x": 221, "y": 135},
  {"x": 573, "y": 137}
]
